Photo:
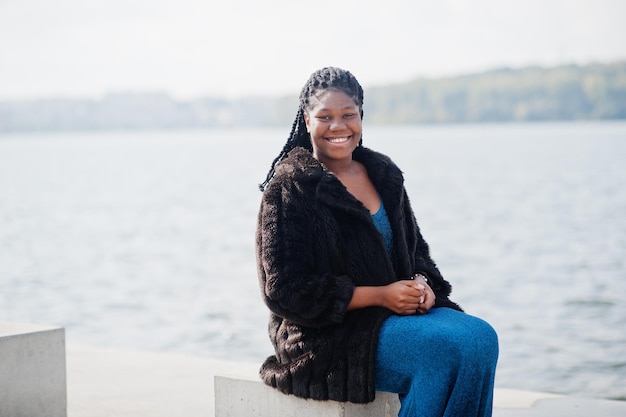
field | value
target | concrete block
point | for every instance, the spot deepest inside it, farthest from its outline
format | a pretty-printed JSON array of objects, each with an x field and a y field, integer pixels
[
  {"x": 247, "y": 396},
  {"x": 32, "y": 371}
]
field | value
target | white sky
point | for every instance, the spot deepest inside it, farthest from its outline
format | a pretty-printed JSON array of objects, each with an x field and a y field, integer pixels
[{"x": 193, "y": 48}]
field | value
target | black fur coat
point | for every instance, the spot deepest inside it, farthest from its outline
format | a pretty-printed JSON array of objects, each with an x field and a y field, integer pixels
[{"x": 315, "y": 243}]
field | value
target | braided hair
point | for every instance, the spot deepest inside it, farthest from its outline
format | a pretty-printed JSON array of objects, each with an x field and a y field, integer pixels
[{"x": 329, "y": 78}]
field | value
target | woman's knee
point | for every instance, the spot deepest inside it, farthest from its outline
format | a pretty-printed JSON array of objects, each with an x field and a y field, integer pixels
[
  {"x": 480, "y": 342},
  {"x": 470, "y": 338},
  {"x": 486, "y": 337}
]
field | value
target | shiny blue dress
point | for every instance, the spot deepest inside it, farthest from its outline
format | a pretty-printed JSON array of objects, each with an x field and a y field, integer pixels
[{"x": 441, "y": 364}]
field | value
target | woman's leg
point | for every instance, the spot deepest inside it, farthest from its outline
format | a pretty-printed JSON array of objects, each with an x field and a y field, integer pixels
[{"x": 441, "y": 364}]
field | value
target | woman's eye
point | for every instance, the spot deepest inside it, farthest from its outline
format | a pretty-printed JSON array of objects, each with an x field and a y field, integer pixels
[{"x": 323, "y": 117}]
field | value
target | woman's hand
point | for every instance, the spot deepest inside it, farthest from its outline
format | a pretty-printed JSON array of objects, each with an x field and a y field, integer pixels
[
  {"x": 408, "y": 297},
  {"x": 429, "y": 294},
  {"x": 402, "y": 297}
]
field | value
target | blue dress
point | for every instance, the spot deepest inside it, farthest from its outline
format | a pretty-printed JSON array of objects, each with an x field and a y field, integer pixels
[{"x": 441, "y": 364}]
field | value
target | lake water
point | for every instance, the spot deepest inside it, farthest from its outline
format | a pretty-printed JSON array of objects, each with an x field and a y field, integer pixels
[{"x": 146, "y": 239}]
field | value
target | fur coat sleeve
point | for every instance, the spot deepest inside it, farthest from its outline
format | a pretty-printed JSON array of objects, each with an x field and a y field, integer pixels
[{"x": 297, "y": 280}]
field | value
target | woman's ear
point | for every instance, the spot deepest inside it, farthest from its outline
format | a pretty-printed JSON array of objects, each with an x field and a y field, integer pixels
[{"x": 306, "y": 121}]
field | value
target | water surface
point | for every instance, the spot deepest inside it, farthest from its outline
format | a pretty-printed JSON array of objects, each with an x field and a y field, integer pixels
[{"x": 146, "y": 239}]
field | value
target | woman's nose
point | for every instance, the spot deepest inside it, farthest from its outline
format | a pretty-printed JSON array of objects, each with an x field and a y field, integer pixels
[{"x": 337, "y": 124}]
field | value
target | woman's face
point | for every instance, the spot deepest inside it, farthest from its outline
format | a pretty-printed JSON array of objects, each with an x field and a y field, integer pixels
[{"x": 334, "y": 122}]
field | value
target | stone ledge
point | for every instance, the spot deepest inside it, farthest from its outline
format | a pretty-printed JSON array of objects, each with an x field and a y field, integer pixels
[
  {"x": 237, "y": 396},
  {"x": 32, "y": 370},
  {"x": 106, "y": 382}
]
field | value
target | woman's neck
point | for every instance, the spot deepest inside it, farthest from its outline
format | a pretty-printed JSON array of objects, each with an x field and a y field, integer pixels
[{"x": 343, "y": 167}]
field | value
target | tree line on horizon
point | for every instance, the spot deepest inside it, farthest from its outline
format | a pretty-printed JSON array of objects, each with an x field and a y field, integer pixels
[
  {"x": 561, "y": 93},
  {"x": 569, "y": 92}
]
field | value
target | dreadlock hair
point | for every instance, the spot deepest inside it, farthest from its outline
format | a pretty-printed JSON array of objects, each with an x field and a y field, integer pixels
[{"x": 329, "y": 78}]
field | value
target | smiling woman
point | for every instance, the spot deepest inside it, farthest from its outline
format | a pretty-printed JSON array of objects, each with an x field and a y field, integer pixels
[
  {"x": 334, "y": 124},
  {"x": 357, "y": 304}
]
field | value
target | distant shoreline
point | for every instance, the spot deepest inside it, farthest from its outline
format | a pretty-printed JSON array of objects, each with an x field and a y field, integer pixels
[{"x": 532, "y": 94}]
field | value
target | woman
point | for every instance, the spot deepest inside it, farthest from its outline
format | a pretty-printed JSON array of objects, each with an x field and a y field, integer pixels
[{"x": 357, "y": 304}]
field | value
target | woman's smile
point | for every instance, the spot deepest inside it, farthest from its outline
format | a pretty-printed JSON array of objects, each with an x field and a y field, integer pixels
[{"x": 339, "y": 140}]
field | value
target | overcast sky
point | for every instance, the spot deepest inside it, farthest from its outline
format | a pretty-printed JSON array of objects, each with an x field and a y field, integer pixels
[{"x": 192, "y": 48}]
